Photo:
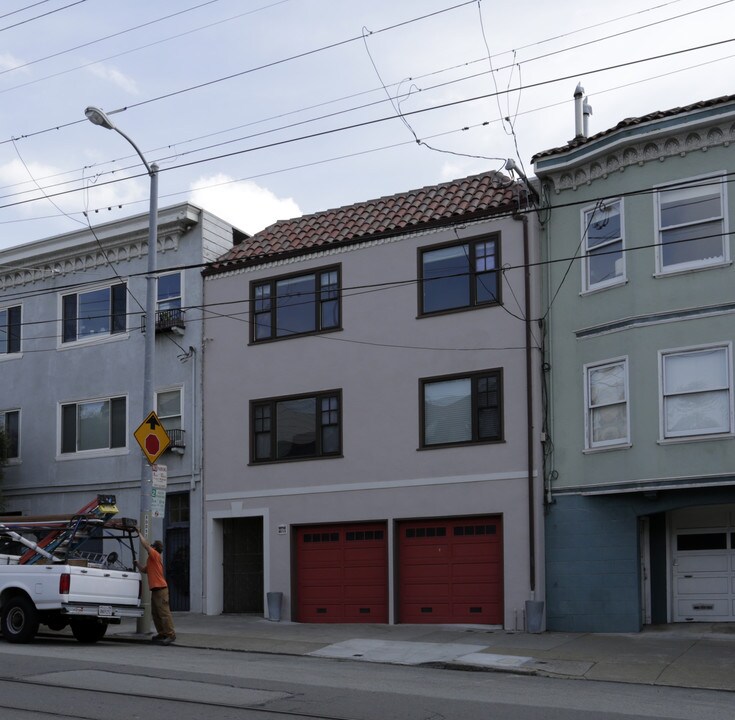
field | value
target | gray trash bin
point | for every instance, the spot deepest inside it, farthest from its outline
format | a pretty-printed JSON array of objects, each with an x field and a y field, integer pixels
[{"x": 275, "y": 599}]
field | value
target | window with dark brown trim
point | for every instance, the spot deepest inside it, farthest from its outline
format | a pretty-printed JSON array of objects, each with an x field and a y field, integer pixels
[
  {"x": 462, "y": 409},
  {"x": 294, "y": 428},
  {"x": 295, "y": 305},
  {"x": 459, "y": 276}
]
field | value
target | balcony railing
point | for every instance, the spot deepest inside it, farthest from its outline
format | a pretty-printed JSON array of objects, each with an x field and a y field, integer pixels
[
  {"x": 169, "y": 320},
  {"x": 178, "y": 440}
]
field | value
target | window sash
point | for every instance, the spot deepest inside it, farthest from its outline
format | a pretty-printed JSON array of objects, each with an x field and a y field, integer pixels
[
  {"x": 691, "y": 226},
  {"x": 296, "y": 428},
  {"x": 10, "y": 425},
  {"x": 607, "y": 404},
  {"x": 462, "y": 409},
  {"x": 168, "y": 409},
  {"x": 460, "y": 276},
  {"x": 697, "y": 397},
  {"x": 604, "y": 261},
  {"x": 93, "y": 425},
  {"x": 10, "y": 330},
  {"x": 295, "y": 305},
  {"x": 169, "y": 292},
  {"x": 94, "y": 313}
]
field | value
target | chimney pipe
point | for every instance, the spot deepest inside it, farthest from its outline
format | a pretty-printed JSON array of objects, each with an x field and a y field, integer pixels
[
  {"x": 578, "y": 112},
  {"x": 586, "y": 112}
]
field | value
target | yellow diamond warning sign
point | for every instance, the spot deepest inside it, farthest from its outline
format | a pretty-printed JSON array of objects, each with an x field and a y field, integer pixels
[{"x": 152, "y": 438}]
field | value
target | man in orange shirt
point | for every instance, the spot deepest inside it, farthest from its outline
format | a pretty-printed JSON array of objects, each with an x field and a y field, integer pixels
[{"x": 160, "y": 609}]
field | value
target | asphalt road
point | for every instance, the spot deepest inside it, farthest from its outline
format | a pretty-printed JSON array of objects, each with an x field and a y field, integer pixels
[{"x": 112, "y": 681}]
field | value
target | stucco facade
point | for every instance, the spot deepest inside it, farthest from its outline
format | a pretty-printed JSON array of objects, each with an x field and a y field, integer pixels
[
  {"x": 383, "y": 472},
  {"x": 72, "y": 386},
  {"x": 639, "y": 291}
]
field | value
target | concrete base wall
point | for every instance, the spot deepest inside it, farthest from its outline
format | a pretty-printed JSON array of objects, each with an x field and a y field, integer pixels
[{"x": 592, "y": 556}]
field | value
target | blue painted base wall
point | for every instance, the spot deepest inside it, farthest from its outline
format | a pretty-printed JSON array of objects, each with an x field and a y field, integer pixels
[{"x": 592, "y": 558}]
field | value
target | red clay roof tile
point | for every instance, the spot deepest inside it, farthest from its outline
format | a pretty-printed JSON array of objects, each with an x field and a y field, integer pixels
[{"x": 469, "y": 198}]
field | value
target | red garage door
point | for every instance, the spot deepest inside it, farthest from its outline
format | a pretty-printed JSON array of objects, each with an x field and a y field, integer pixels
[
  {"x": 451, "y": 571},
  {"x": 342, "y": 573}
]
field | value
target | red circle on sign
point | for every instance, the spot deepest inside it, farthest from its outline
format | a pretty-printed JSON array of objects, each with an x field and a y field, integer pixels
[{"x": 152, "y": 444}]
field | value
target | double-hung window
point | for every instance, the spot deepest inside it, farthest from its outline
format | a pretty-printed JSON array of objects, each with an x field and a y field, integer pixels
[
  {"x": 460, "y": 276},
  {"x": 462, "y": 409},
  {"x": 692, "y": 226},
  {"x": 295, "y": 305},
  {"x": 10, "y": 330},
  {"x": 696, "y": 389},
  {"x": 604, "y": 252},
  {"x": 10, "y": 433},
  {"x": 606, "y": 399},
  {"x": 94, "y": 313},
  {"x": 294, "y": 428},
  {"x": 169, "y": 291},
  {"x": 93, "y": 425}
]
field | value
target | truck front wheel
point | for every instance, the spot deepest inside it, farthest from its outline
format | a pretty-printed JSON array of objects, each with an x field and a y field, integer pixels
[
  {"x": 88, "y": 630},
  {"x": 19, "y": 620}
]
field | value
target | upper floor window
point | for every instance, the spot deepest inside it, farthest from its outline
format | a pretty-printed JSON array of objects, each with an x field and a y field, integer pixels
[
  {"x": 603, "y": 261},
  {"x": 10, "y": 329},
  {"x": 293, "y": 428},
  {"x": 168, "y": 408},
  {"x": 10, "y": 429},
  {"x": 697, "y": 397},
  {"x": 691, "y": 226},
  {"x": 169, "y": 291},
  {"x": 606, "y": 397},
  {"x": 295, "y": 305},
  {"x": 94, "y": 313},
  {"x": 93, "y": 425},
  {"x": 462, "y": 409},
  {"x": 459, "y": 276}
]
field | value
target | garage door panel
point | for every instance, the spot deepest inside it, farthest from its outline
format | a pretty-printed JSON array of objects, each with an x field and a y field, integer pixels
[
  {"x": 702, "y": 563},
  {"x": 704, "y": 609},
  {"x": 702, "y": 585},
  {"x": 342, "y": 573},
  {"x": 455, "y": 577}
]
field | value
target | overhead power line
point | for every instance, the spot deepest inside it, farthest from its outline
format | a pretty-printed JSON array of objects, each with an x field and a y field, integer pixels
[{"x": 375, "y": 121}]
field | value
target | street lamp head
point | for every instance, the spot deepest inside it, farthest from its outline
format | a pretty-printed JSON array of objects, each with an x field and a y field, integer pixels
[{"x": 98, "y": 117}]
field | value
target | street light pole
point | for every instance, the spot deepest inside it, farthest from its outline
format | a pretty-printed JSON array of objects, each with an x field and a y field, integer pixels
[{"x": 98, "y": 117}]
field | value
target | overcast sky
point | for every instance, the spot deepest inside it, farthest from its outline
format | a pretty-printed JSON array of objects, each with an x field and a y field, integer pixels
[{"x": 260, "y": 110}]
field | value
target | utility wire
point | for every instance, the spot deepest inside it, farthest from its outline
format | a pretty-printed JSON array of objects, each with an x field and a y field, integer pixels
[
  {"x": 371, "y": 91},
  {"x": 38, "y": 17},
  {"x": 374, "y": 121}
]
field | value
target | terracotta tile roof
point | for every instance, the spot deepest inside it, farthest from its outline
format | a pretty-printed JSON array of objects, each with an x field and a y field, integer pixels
[
  {"x": 631, "y": 122},
  {"x": 466, "y": 199}
]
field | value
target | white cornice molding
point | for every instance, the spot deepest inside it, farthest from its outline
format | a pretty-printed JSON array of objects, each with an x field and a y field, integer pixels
[
  {"x": 78, "y": 253},
  {"x": 648, "y": 149}
]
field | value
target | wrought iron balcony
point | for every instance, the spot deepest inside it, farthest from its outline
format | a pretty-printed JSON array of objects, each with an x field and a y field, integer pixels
[
  {"x": 169, "y": 320},
  {"x": 178, "y": 440}
]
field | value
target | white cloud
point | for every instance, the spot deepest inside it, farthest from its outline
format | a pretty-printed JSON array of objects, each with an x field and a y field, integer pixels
[
  {"x": 244, "y": 204},
  {"x": 9, "y": 62},
  {"x": 15, "y": 178},
  {"x": 113, "y": 75}
]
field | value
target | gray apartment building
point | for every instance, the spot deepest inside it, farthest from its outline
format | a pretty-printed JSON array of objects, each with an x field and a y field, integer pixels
[{"x": 71, "y": 363}]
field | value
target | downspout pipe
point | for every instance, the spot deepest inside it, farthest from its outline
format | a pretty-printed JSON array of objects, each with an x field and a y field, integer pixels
[{"x": 529, "y": 409}]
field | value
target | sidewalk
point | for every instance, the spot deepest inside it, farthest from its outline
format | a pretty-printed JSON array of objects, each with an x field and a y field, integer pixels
[{"x": 697, "y": 655}]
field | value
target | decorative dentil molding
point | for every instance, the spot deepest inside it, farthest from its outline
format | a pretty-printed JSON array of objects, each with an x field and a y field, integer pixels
[
  {"x": 86, "y": 259},
  {"x": 647, "y": 150}
]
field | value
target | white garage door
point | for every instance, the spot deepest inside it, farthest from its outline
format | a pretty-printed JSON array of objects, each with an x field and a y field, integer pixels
[{"x": 703, "y": 551}]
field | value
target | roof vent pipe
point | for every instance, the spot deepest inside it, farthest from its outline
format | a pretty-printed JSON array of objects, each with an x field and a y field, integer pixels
[
  {"x": 578, "y": 120},
  {"x": 586, "y": 112}
]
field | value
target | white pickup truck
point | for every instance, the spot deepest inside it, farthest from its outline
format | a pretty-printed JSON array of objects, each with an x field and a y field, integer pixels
[{"x": 84, "y": 579}]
